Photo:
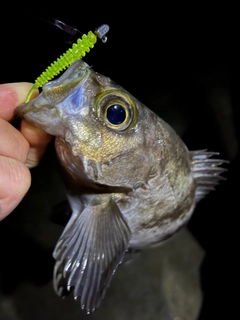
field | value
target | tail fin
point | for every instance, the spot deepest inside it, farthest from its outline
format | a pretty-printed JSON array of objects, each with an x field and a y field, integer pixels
[{"x": 206, "y": 172}]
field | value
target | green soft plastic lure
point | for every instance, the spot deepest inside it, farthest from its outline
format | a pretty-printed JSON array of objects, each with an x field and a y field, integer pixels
[{"x": 77, "y": 51}]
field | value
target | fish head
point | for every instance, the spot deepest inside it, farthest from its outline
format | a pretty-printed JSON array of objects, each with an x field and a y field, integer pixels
[{"x": 108, "y": 134}]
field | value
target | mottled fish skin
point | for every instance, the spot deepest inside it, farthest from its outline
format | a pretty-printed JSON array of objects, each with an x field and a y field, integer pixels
[{"x": 144, "y": 170}]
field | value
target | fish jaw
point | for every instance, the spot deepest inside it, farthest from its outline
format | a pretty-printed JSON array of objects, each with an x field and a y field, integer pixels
[
  {"x": 48, "y": 110},
  {"x": 43, "y": 115}
]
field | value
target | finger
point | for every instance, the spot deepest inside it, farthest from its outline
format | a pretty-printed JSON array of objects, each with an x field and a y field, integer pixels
[
  {"x": 12, "y": 142},
  {"x": 11, "y": 96},
  {"x": 14, "y": 184},
  {"x": 38, "y": 140}
]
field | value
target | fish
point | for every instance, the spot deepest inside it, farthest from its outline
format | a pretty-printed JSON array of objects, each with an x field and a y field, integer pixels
[{"x": 130, "y": 180}]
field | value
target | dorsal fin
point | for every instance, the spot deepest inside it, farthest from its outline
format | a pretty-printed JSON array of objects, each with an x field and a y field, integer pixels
[{"x": 206, "y": 171}]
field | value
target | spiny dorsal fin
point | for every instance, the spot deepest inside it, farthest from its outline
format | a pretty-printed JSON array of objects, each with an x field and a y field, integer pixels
[{"x": 206, "y": 171}]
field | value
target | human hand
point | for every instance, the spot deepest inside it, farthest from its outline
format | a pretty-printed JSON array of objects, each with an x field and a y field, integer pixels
[{"x": 20, "y": 149}]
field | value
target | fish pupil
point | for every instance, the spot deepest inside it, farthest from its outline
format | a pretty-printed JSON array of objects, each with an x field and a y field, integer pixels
[{"x": 116, "y": 114}]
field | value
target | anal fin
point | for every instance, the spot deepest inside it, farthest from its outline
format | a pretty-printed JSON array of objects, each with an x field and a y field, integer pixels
[{"x": 89, "y": 251}]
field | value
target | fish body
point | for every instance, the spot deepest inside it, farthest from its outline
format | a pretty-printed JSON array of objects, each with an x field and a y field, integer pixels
[{"x": 131, "y": 182}]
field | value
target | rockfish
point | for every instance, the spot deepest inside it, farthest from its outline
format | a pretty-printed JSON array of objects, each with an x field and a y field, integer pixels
[{"x": 131, "y": 182}]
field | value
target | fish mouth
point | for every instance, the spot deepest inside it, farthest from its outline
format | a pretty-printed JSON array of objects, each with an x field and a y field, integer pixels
[
  {"x": 45, "y": 111},
  {"x": 39, "y": 113},
  {"x": 28, "y": 110}
]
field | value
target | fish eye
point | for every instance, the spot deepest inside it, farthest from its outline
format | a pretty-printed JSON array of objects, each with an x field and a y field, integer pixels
[
  {"x": 116, "y": 114},
  {"x": 116, "y": 109}
]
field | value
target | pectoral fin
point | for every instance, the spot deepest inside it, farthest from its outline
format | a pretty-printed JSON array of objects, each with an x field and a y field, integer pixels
[{"x": 89, "y": 251}]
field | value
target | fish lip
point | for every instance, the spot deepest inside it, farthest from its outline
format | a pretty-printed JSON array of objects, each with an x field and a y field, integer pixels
[
  {"x": 28, "y": 113},
  {"x": 23, "y": 109},
  {"x": 42, "y": 115}
]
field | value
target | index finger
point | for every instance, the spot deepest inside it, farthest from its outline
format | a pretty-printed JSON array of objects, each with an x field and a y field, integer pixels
[{"x": 11, "y": 96}]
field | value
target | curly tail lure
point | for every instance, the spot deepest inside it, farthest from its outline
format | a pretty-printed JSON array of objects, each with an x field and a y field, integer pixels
[{"x": 77, "y": 51}]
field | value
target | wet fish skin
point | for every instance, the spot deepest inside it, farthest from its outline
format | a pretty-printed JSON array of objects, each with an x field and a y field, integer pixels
[{"x": 128, "y": 188}]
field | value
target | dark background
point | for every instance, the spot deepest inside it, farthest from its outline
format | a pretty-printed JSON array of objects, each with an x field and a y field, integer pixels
[{"x": 180, "y": 63}]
